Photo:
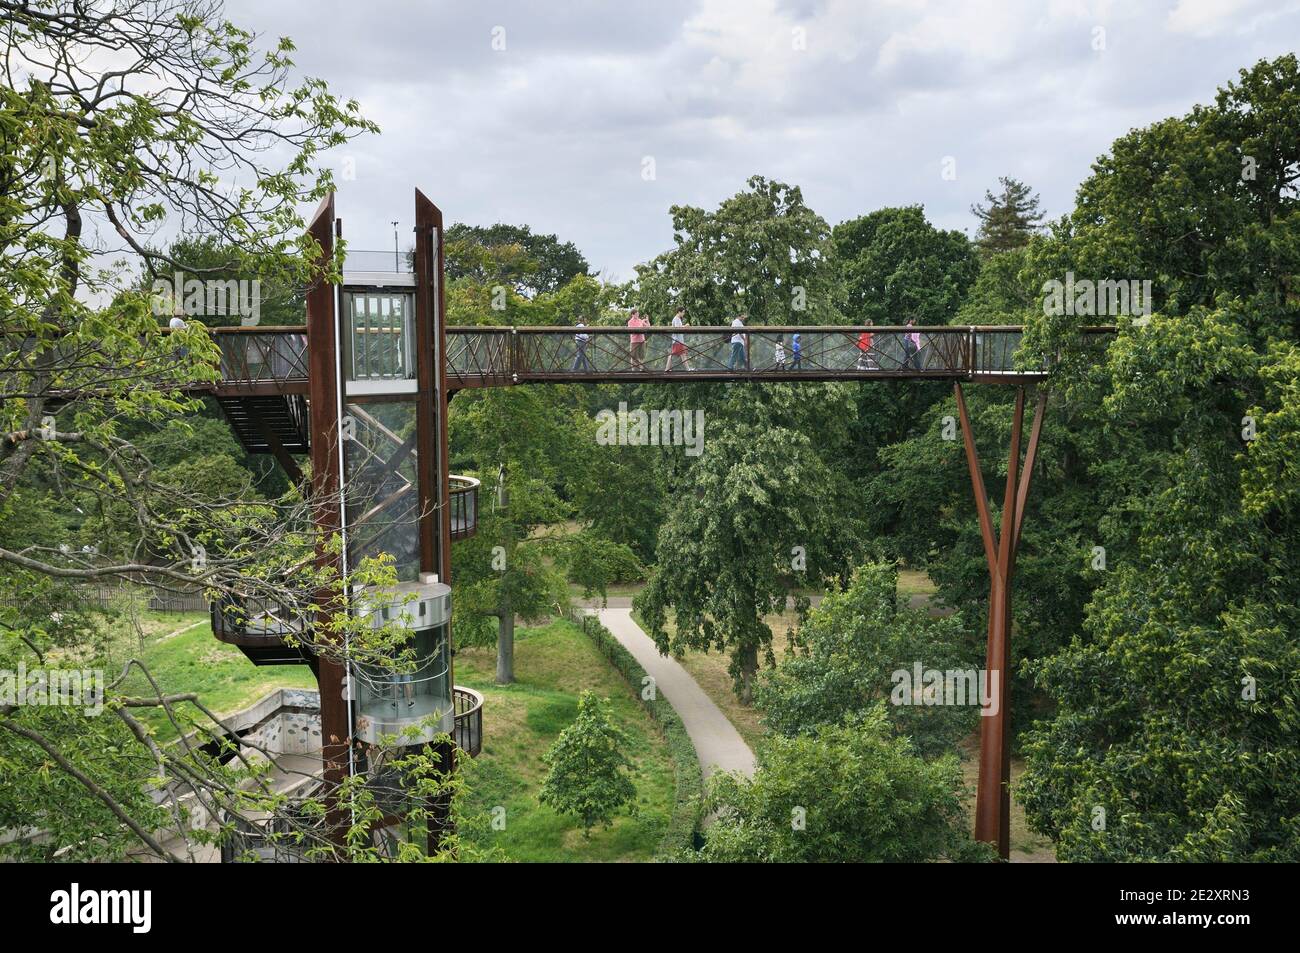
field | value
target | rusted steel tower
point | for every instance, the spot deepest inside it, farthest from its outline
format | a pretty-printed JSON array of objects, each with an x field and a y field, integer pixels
[{"x": 378, "y": 437}]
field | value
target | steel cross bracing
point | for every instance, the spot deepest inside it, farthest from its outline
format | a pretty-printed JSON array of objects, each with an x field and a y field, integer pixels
[{"x": 271, "y": 360}]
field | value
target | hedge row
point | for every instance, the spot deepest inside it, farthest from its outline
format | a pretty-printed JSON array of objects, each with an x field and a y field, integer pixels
[{"x": 689, "y": 782}]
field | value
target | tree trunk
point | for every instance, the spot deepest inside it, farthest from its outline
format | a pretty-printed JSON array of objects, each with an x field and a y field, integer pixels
[
  {"x": 748, "y": 658},
  {"x": 506, "y": 616},
  {"x": 506, "y": 646}
]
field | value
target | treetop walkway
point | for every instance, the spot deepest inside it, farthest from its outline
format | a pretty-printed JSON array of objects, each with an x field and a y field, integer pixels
[
  {"x": 382, "y": 363},
  {"x": 273, "y": 360}
]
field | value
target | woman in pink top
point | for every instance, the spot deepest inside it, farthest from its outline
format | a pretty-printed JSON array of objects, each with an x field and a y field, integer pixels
[{"x": 637, "y": 340}]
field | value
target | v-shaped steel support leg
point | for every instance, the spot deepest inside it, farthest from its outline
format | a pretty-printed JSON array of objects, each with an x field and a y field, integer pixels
[{"x": 993, "y": 791}]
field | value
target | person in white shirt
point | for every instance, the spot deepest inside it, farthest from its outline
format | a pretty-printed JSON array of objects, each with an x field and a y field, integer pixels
[
  {"x": 678, "y": 348},
  {"x": 580, "y": 361},
  {"x": 739, "y": 344}
]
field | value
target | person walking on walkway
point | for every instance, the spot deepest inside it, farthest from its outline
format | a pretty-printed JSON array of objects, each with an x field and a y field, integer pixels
[
  {"x": 739, "y": 344},
  {"x": 678, "y": 347},
  {"x": 912, "y": 347},
  {"x": 637, "y": 320},
  {"x": 778, "y": 352},
  {"x": 866, "y": 361},
  {"x": 796, "y": 352},
  {"x": 580, "y": 360}
]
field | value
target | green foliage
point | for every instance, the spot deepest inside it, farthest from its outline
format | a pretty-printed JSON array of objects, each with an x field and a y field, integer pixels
[
  {"x": 519, "y": 439},
  {"x": 765, "y": 514},
  {"x": 762, "y": 252},
  {"x": 850, "y": 793},
  {"x": 280, "y": 301},
  {"x": 1001, "y": 293},
  {"x": 846, "y": 653},
  {"x": 897, "y": 266},
  {"x": 1007, "y": 219},
  {"x": 594, "y": 563},
  {"x": 588, "y": 776},
  {"x": 87, "y": 369},
  {"x": 688, "y": 779},
  {"x": 512, "y": 255},
  {"x": 1176, "y": 697}
]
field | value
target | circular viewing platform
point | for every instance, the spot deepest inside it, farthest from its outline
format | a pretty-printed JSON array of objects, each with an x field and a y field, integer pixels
[{"x": 463, "y": 499}]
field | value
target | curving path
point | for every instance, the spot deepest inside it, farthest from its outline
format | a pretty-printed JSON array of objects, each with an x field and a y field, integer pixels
[{"x": 716, "y": 740}]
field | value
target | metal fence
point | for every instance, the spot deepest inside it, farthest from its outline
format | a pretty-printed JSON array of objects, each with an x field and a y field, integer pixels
[{"x": 496, "y": 356}]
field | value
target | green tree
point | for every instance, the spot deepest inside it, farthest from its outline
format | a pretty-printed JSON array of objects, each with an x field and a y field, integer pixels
[
  {"x": 760, "y": 513},
  {"x": 1007, "y": 219},
  {"x": 762, "y": 251},
  {"x": 850, "y": 793},
  {"x": 1175, "y": 717},
  {"x": 589, "y": 773},
  {"x": 1002, "y": 292},
  {"x": 897, "y": 266},
  {"x": 758, "y": 516},
  {"x": 511, "y": 254},
  {"x": 845, "y": 656},
  {"x": 279, "y": 302},
  {"x": 84, "y": 367},
  {"x": 532, "y": 446}
]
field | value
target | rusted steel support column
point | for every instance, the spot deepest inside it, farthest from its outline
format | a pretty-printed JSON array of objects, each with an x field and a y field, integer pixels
[
  {"x": 427, "y": 407},
  {"x": 434, "y": 472},
  {"x": 993, "y": 789},
  {"x": 323, "y": 393}
]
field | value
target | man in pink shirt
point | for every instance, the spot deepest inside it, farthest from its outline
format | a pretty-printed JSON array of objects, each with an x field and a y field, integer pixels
[{"x": 637, "y": 320}]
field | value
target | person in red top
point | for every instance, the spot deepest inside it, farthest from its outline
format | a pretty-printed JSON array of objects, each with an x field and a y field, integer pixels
[
  {"x": 637, "y": 320},
  {"x": 866, "y": 362}
]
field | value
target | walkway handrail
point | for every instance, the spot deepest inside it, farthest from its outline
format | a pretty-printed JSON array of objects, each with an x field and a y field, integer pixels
[
  {"x": 502, "y": 355},
  {"x": 469, "y": 720},
  {"x": 463, "y": 500}
]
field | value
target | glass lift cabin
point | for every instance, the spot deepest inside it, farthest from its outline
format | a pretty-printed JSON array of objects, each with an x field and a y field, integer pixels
[{"x": 383, "y": 502}]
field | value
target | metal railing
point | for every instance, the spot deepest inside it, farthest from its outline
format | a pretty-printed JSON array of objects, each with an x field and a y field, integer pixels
[
  {"x": 469, "y": 720},
  {"x": 498, "y": 356},
  {"x": 281, "y": 838},
  {"x": 245, "y": 621},
  {"x": 378, "y": 261},
  {"x": 258, "y": 355},
  {"x": 463, "y": 500},
  {"x": 491, "y": 356}
]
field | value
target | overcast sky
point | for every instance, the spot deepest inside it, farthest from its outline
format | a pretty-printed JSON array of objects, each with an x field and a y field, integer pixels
[{"x": 549, "y": 114}]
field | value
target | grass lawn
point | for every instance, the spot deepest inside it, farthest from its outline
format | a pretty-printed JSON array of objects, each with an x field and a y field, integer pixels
[
  {"x": 554, "y": 664},
  {"x": 183, "y": 656},
  {"x": 914, "y": 582}
]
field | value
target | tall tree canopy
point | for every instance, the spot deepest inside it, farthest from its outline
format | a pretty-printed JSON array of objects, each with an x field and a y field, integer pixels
[
  {"x": 511, "y": 255},
  {"x": 1008, "y": 219},
  {"x": 763, "y": 251},
  {"x": 100, "y": 169},
  {"x": 760, "y": 512},
  {"x": 1175, "y": 732},
  {"x": 897, "y": 266}
]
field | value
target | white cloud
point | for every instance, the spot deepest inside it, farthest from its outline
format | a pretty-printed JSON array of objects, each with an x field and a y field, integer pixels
[
  {"x": 1203, "y": 17},
  {"x": 552, "y": 131}
]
